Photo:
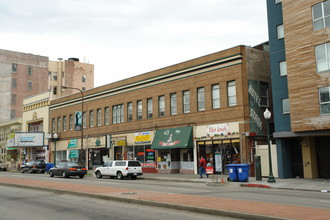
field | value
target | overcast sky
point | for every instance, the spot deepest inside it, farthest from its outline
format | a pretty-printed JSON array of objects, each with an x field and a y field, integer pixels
[{"x": 124, "y": 38}]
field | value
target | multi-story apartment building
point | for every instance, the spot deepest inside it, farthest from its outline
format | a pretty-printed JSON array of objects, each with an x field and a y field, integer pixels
[
  {"x": 170, "y": 117},
  {"x": 299, "y": 57},
  {"x": 21, "y": 75},
  {"x": 71, "y": 73}
]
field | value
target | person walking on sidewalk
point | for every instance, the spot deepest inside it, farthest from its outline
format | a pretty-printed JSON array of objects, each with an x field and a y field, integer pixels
[{"x": 202, "y": 168}]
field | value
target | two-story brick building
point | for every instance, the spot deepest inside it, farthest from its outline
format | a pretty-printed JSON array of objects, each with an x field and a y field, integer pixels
[{"x": 169, "y": 117}]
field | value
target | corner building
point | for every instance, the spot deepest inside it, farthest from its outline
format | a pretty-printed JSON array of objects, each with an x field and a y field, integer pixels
[
  {"x": 299, "y": 57},
  {"x": 170, "y": 117}
]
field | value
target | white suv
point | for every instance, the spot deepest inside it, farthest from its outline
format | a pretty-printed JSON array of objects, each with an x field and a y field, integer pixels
[{"x": 120, "y": 169}]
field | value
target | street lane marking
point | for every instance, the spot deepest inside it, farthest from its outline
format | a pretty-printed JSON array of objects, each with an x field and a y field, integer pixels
[{"x": 189, "y": 189}]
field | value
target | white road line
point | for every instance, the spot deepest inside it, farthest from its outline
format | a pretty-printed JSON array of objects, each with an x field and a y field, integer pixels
[{"x": 200, "y": 190}]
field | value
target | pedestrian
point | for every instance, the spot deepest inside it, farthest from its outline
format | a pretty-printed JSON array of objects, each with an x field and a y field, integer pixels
[{"x": 202, "y": 168}]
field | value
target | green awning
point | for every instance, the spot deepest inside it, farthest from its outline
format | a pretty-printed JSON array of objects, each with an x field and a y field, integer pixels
[{"x": 170, "y": 138}]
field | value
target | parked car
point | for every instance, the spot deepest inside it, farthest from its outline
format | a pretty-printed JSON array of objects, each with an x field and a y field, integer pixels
[
  {"x": 67, "y": 169},
  {"x": 120, "y": 169},
  {"x": 34, "y": 166},
  {"x": 3, "y": 166}
]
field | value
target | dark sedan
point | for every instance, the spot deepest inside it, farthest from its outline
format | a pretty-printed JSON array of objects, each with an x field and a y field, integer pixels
[{"x": 67, "y": 169}]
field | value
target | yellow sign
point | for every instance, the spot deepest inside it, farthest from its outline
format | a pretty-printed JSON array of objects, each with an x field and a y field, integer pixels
[
  {"x": 121, "y": 143},
  {"x": 142, "y": 137}
]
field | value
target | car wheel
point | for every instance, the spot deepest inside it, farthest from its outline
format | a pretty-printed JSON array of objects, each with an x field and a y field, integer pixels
[
  {"x": 133, "y": 177},
  {"x": 51, "y": 174},
  {"x": 64, "y": 175},
  {"x": 119, "y": 175},
  {"x": 81, "y": 176},
  {"x": 98, "y": 174}
]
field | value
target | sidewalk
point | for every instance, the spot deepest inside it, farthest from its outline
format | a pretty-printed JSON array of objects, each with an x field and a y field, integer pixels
[
  {"x": 320, "y": 185},
  {"x": 201, "y": 204}
]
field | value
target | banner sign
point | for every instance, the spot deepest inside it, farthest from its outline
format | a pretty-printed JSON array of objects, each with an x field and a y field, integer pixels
[
  {"x": 78, "y": 121},
  {"x": 143, "y": 137},
  {"x": 217, "y": 129},
  {"x": 73, "y": 143},
  {"x": 73, "y": 154},
  {"x": 29, "y": 139}
]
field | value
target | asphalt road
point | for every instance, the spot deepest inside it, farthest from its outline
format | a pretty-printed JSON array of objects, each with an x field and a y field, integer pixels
[
  {"x": 20, "y": 203},
  {"x": 287, "y": 197}
]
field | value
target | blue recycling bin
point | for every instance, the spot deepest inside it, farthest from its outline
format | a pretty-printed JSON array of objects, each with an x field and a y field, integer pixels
[
  {"x": 49, "y": 166},
  {"x": 232, "y": 171},
  {"x": 243, "y": 172}
]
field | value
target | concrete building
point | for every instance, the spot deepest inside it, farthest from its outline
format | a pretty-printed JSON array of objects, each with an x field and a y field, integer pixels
[
  {"x": 8, "y": 154},
  {"x": 21, "y": 75},
  {"x": 299, "y": 41},
  {"x": 170, "y": 117}
]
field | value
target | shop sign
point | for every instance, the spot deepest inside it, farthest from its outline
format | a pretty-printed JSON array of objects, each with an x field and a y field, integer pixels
[
  {"x": 143, "y": 137},
  {"x": 120, "y": 143},
  {"x": 29, "y": 139},
  {"x": 73, "y": 154},
  {"x": 218, "y": 130},
  {"x": 73, "y": 143}
]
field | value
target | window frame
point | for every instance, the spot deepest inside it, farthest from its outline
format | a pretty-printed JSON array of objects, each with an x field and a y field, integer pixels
[
  {"x": 139, "y": 110},
  {"x": 322, "y": 103},
  {"x": 282, "y": 67},
  {"x": 200, "y": 99},
  {"x": 29, "y": 85},
  {"x": 58, "y": 124},
  {"x": 149, "y": 108},
  {"x": 231, "y": 84},
  {"x": 130, "y": 111},
  {"x": 71, "y": 122},
  {"x": 91, "y": 118},
  {"x": 173, "y": 101},
  {"x": 215, "y": 99},
  {"x": 186, "y": 101},
  {"x": 285, "y": 102},
  {"x": 64, "y": 123},
  {"x": 280, "y": 31},
  {"x": 98, "y": 117},
  {"x": 323, "y": 17},
  {"x": 161, "y": 105},
  {"x": 106, "y": 115}
]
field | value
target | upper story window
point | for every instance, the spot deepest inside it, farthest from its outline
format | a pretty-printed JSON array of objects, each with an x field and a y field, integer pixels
[
  {"x": 14, "y": 67},
  {"x": 283, "y": 71},
  {"x": 83, "y": 78},
  {"x": 231, "y": 89},
  {"x": 139, "y": 110},
  {"x": 84, "y": 119},
  {"x": 98, "y": 117},
  {"x": 71, "y": 122},
  {"x": 55, "y": 76},
  {"x": 106, "y": 116},
  {"x": 278, "y": 1},
  {"x": 173, "y": 104},
  {"x": 149, "y": 108},
  {"x": 30, "y": 70},
  {"x": 64, "y": 123},
  {"x": 53, "y": 125},
  {"x": 186, "y": 101},
  {"x": 91, "y": 118},
  {"x": 285, "y": 106},
  {"x": 324, "y": 95},
  {"x": 200, "y": 99},
  {"x": 129, "y": 111},
  {"x": 321, "y": 15},
  {"x": 264, "y": 101},
  {"x": 215, "y": 96},
  {"x": 13, "y": 99},
  {"x": 118, "y": 114},
  {"x": 322, "y": 53},
  {"x": 13, "y": 83},
  {"x": 280, "y": 31},
  {"x": 29, "y": 85},
  {"x": 161, "y": 106},
  {"x": 58, "y": 124}
]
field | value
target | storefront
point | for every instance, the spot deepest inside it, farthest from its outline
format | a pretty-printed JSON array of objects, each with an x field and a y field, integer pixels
[
  {"x": 174, "y": 150},
  {"x": 219, "y": 144}
]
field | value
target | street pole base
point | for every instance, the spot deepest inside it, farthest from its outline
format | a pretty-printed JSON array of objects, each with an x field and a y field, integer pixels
[{"x": 271, "y": 179}]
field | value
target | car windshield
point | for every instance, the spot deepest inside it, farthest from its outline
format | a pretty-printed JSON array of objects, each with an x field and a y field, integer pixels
[{"x": 72, "y": 165}]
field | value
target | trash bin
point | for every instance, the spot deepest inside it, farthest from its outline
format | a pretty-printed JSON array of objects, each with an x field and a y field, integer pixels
[
  {"x": 243, "y": 172},
  {"x": 232, "y": 170},
  {"x": 49, "y": 166}
]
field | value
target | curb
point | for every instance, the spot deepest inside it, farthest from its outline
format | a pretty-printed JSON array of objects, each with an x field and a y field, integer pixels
[{"x": 207, "y": 211}]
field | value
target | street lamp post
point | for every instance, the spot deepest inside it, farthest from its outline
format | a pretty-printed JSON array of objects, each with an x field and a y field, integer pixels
[
  {"x": 55, "y": 136},
  {"x": 81, "y": 157},
  {"x": 271, "y": 179}
]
